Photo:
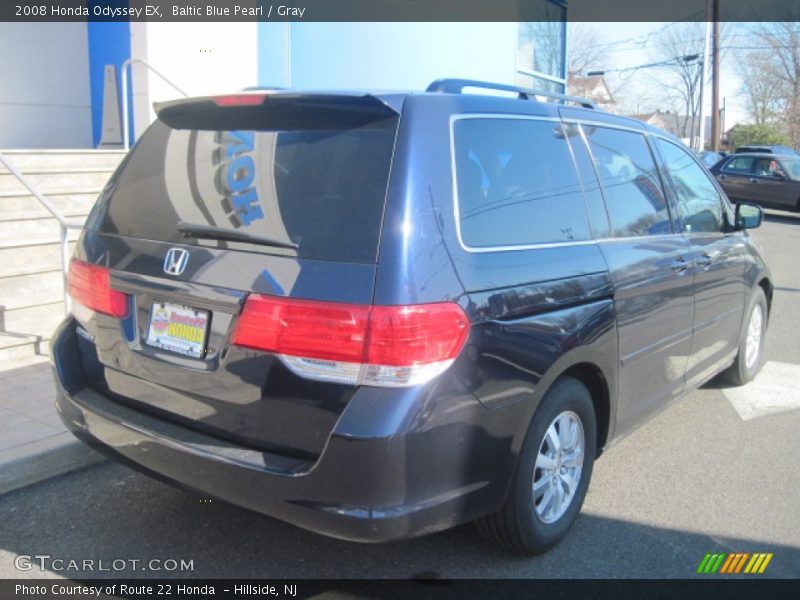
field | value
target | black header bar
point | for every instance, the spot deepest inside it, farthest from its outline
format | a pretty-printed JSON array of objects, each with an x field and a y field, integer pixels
[{"x": 391, "y": 10}]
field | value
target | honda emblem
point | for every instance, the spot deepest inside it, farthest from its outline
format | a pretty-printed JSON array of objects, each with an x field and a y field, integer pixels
[{"x": 175, "y": 261}]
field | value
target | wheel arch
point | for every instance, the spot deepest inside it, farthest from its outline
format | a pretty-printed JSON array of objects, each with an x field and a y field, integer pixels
[
  {"x": 592, "y": 376},
  {"x": 766, "y": 285}
]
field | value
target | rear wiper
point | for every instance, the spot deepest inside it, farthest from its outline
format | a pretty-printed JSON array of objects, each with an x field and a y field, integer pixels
[{"x": 211, "y": 232}]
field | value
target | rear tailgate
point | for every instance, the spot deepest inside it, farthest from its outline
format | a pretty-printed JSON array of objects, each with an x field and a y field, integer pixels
[{"x": 306, "y": 178}]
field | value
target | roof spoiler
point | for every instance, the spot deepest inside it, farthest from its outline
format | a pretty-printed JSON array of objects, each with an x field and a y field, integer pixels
[{"x": 268, "y": 110}]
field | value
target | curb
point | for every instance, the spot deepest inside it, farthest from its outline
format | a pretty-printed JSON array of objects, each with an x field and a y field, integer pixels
[{"x": 25, "y": 465}]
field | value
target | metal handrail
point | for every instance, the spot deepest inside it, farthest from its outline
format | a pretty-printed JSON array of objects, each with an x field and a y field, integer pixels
[
  {"x": 64, "y": 225},
  {"x": 128, "y": 63}
]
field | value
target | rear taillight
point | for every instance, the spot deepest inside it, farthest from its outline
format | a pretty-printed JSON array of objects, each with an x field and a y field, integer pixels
[
  {"x": 322, "y": 330},
  {"x": 353, "y": 343},
  {"x": 90, "y": 285}
]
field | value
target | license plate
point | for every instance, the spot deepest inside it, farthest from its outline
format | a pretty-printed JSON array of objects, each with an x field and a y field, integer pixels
[{"x": 177, "y": 328}]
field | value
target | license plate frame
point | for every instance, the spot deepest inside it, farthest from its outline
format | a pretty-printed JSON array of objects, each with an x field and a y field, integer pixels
[{"x": 177, "y": 328}]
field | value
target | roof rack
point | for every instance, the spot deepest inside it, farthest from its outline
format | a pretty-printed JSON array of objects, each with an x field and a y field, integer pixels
[{"x": 456, "y": 86}]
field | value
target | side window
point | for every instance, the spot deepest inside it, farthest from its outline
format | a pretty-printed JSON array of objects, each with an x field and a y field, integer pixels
[
  {"x": 791, "y": 167},
  {"x": 598, "y": 217},
  {"x": 765, "y": 167},
  {"x": 739, "y": 164},
  {"x": 699, "y": 202},
  {"x": 634, "y": 196},
  {"x": 516, "y": 183}
]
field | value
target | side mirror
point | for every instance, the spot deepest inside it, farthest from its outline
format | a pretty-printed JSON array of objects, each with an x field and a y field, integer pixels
[
  {"x": 779, "y": 174},
  {"x": 748, "y": 216}
]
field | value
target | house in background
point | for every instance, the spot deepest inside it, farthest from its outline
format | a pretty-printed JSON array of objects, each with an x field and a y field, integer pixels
[
  {"x": 593, "y": 88},
  {"x": 681, "y": 126},
  {"x": 663, "y": 119}
]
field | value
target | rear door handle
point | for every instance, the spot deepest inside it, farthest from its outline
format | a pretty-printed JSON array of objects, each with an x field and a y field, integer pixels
[
  {"x": 680, "y": 265},
  {"x": 723, "y": 176},
  {"x": 753, "y": 180}
]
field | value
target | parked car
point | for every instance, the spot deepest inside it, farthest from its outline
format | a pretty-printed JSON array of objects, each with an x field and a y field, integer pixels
[
  {"x": 767, "y": 149},
  {"x": 769, "y": 180},
  {"x": 377, "y": 316}
]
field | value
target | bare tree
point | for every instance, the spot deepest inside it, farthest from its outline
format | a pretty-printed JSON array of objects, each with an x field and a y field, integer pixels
[
  {"x": 760, "y": 86},
  {"x": 782, "y": 68},
  {"x": 680, "y": 47},
  {"x": 585, "y": 49}
]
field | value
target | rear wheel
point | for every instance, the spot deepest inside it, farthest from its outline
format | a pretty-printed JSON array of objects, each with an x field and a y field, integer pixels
[
  {"x": 750, "y": 357},
  {"x": 552, "y": 474}
]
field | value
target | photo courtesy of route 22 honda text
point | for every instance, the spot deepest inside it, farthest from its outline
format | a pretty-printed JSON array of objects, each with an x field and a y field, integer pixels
[{"x": 381, "y": 315}]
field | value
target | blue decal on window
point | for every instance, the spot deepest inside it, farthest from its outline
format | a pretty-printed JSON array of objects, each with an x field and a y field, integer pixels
[{"x": 238, "y": 172}]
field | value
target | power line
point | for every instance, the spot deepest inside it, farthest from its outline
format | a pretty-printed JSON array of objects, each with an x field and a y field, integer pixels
[
  {"x": 645, "y": 42},
  {"x": 687, "y": 59}
]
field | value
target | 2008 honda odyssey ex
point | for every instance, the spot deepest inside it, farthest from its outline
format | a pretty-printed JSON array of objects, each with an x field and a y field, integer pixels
[{"x": 377, "y": 316}]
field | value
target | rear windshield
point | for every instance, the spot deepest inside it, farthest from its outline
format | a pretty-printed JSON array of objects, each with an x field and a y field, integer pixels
[{"x": 321, "y": 189}]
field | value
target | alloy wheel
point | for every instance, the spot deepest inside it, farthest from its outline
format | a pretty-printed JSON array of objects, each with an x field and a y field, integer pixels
[
  {"x": 752, "y": 346},
  {"x": 557, "y": 472}
]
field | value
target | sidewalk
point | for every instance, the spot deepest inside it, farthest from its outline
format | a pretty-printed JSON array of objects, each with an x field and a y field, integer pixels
[{"x": 34, "y": 445}]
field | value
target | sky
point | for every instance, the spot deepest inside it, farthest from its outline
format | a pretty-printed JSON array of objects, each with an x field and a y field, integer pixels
[{"x": 632, "y": 44}]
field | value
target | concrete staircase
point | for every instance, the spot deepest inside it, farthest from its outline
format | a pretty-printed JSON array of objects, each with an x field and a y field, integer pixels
[{"x": 31, "y": 281}]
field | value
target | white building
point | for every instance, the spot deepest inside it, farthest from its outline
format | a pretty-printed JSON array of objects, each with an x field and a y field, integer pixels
[{"x": 53, "y": 73}]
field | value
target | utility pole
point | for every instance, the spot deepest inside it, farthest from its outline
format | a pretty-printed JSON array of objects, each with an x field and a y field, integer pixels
[
  {"x": 715, "y": 76},
  {"x": 723, "y": 114},
  {"x": 701, "y": 134}
]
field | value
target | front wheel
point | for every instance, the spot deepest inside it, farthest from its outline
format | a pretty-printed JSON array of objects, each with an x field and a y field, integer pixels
[
  {"x": 750, "y": 357},
  {"x": 553, "y": 473}
]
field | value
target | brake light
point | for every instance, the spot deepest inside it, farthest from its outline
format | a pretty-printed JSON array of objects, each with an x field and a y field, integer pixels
[
  {"x": 239, "y": 100},
  {"x": 353, "y": 343},
  {"x": 90, "y": 285},
  {"x": 306, "y": 328}
]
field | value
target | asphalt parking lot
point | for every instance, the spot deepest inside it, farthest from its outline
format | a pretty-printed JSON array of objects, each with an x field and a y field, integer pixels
[{"x": 715, "y": 472}]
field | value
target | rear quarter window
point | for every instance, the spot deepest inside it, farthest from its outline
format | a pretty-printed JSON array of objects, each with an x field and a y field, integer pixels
[{"x": 516, "y": 183}]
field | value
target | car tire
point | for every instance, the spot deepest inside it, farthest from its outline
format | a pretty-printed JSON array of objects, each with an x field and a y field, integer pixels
[
  {"x": 525, "y": 524},
  {"x": 751, "y": 356}
]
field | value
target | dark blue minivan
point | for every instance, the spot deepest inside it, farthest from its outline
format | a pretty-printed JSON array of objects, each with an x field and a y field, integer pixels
[{"x": 377, "y": 316}]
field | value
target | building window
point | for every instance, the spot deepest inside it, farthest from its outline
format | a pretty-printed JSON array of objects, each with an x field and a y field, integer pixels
[{"x": 540, "y": 45}]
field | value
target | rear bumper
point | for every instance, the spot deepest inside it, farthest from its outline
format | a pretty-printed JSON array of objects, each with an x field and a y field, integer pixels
[{"x": 391, "y": 482}]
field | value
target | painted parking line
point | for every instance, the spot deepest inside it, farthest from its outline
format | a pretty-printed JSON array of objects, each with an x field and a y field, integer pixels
[{"x": 775, "y": 390}]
